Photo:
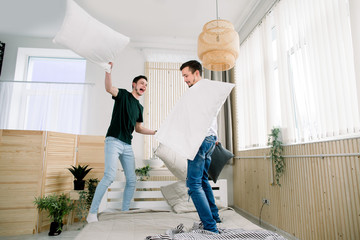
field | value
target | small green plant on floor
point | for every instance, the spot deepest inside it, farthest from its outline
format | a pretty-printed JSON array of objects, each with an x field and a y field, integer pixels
[
  {"x": 276, "y": 149},
  {"x": 57, "y": 206},
  {"x": 143, "y": 173}
]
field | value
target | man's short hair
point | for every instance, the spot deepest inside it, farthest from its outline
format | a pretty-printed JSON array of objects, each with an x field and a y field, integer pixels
[
  {"x": 136, "y": 79},
  {"x": 193, "y": 66}
]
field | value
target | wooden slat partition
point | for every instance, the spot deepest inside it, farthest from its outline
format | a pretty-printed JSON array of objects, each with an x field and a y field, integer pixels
[
  {"x": 21, "y": 158},
  {"x": 319, "y": 197},
  {"x": 34, "y": 163},
  {"x": 59, "y": 156},
  {"x": 90, "y": 151}
]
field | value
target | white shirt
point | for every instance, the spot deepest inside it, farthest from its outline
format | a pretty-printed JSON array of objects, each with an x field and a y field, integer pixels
[{"x": 213, "y": 128}]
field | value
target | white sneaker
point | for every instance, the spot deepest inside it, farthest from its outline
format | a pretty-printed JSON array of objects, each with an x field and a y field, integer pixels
[{"x": 92, "y": 217}]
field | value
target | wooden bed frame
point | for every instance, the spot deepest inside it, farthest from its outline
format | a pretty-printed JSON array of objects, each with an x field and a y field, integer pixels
[{"x": 148, "y": 195}]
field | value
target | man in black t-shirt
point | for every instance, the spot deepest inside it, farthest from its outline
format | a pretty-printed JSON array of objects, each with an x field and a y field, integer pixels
[{"x": 126, "y": 117}]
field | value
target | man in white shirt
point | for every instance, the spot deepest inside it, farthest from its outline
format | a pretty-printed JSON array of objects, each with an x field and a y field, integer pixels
[{"x": 197, "y": 180}]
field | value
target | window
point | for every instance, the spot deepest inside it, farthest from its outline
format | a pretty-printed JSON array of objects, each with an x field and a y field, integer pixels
[
  {"x": 296, "y": 71},
  {"x": 48, "y": 91}
]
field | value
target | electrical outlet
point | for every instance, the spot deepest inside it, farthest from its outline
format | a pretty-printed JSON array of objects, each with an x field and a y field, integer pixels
[{"x": 266, "y": 201}]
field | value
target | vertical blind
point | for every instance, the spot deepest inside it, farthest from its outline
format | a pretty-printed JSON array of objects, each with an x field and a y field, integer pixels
[
  {"x": 296, "y": 71},
  {"x": 165, "y": 87}
]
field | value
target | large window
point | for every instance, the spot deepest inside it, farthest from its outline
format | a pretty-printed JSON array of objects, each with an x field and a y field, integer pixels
[
  {"x": 296, "y": 71},
  {"x": 47, "y": 93}
]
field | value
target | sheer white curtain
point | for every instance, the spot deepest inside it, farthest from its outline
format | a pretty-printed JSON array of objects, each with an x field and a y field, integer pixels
[
  {"x": 296, "y": 72},
  {"x": 41, "y": 106},
  {"x": 251, "y": 93},
  {"x": 47, "y": 92}
]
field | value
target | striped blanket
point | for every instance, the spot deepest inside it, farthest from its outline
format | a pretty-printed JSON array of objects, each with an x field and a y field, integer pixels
[{"x": 197, "y": 233}]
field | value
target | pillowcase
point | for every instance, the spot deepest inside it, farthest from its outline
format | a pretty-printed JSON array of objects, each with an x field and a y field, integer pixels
[
  {"x": 177, "y": 197},
  {"x": 90, "y": 38},
  {"x": 176, "y": 194},
  {"x": 176, "y": 163},
  {"x": 186, "y": 126},
  {"x": 219, "y": 158}
]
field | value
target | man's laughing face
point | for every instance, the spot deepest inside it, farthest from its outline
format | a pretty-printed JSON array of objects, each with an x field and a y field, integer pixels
[{"x": 140, "y": 87}]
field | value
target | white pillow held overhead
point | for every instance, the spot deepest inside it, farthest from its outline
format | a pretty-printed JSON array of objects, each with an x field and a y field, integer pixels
[{"x": 90, "y": 38}]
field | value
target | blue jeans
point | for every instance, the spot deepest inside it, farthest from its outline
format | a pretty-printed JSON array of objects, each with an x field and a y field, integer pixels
[
  {"x": 115, "y": 150},
  {"x": 200, "y": 190}
]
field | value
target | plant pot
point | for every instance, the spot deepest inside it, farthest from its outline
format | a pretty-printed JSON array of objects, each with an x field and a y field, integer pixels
[
  {"x": 55, "y": 228},
  {"x": 79, "y": 185}
]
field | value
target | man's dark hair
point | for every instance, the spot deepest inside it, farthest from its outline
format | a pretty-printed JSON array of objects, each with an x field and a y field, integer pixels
[
  {"x": 136, "y": 79},
  {"x": 193, "y": 66}
]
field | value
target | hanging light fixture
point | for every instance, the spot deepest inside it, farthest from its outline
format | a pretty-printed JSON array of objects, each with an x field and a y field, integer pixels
[{"x": 218, "y": 44}]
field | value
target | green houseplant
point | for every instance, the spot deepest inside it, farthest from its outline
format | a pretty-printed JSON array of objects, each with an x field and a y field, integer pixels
[
  {"x": 79, "y": 173},
  {"x": 85, "y": 198},
  {"x": 276, "y": 149},
  {"x": 143, "y": 173},
  {"x": 91, "y": 186},
  {"x": 57, "y": 206}
]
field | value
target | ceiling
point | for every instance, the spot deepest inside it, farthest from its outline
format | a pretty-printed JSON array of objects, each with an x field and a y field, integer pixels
[{"x": 141, "y": 20}]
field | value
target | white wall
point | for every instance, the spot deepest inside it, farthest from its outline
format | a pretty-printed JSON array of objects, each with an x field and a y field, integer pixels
[{"x": 97, "y": 117}]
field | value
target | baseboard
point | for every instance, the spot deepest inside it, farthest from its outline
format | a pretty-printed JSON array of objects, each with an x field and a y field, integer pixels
[{"x": 264, "y": 224}]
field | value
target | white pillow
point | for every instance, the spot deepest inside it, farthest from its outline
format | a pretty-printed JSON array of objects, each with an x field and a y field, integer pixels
[
  {"x": 90, "y": 38},
  {"x": 177, "y": 197},
  {"x": 186, "y": 126},
  {"x": 176, "y": 163}
]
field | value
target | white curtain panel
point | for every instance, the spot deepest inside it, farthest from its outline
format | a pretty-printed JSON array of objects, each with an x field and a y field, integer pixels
[
  {"x": 251, "y": 93},
  {"x": 41, "y": 106},
  {"x": 296, "y": 71}
]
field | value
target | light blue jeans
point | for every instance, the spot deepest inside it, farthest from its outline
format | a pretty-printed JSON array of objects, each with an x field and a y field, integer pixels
[
  {"x": 200, "y": 189},
  {"x": 115, "y": 150}
]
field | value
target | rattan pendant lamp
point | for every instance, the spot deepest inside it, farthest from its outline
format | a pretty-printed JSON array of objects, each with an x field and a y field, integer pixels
[{"x": 218, "y": 44}]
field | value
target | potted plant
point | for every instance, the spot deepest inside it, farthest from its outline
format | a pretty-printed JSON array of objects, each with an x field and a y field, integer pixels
[
  {"x": 58, "y": 206},
  {"x": 143, "y": 173},
  {"x": 79, "y": 173},
  {"x": 85, "y": 199},
  {"x": 91, "y": 186},
  {"x": 276, "y": 149}
]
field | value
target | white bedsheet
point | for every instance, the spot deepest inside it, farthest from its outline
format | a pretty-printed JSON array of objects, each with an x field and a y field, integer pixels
[{"x": 137, "y": 225}]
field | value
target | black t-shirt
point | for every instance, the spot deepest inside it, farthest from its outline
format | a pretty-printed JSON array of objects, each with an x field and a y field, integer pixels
[{"x": 127, "y": 111}]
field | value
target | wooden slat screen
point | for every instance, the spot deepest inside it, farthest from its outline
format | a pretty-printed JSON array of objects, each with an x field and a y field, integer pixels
[
  {"x": 33, "y": 164},
  {"x": 90, "y": 151},
  {"x": 21, "y": 167}
]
